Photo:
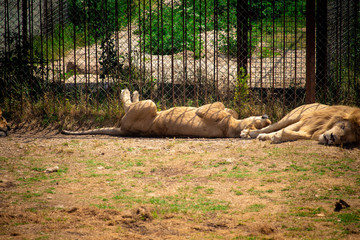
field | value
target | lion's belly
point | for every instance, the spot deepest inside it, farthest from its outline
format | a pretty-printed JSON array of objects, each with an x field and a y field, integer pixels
[{"x": 177, "y": 122}]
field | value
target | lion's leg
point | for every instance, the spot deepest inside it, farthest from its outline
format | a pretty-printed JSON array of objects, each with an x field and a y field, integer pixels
[
  {"x": 125, "y": 99},
  {"x": 135, "y": 96},
  {"x": 269, "y": 129},
  {"x": 139, "y": 117},
  {"x": 290, "y": 133}
]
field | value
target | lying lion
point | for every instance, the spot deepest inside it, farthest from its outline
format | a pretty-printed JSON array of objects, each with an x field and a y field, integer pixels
[
  {"x": 4, "y": 126},
  {"x": 333, "y": 125},
  {"x": 142, "y": 119}
]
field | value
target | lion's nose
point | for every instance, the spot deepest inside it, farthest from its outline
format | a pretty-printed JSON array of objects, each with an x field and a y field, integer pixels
[{"x": 332, "y": 137}]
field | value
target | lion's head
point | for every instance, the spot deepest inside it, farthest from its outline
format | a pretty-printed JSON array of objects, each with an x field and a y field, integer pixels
[
  {"x": 342, "y": 130},
  {"x": 4, "y": 126}
]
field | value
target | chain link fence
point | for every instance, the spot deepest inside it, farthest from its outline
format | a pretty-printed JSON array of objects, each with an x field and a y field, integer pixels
[
  {"x": 176, "y": 52},
  {"x": 338, "y": 52}
]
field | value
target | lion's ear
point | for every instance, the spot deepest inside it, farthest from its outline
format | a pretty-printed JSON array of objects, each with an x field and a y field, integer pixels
[{"x": 0, "y": 112}]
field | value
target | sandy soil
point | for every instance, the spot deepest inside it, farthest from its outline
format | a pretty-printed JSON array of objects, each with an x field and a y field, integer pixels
[{"x": 100, "y": 187}]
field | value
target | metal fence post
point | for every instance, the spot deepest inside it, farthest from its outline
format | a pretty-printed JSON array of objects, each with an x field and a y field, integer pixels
[
  {"x": 242, "y": 35},
  {"x": 322, "y": 48},
  {"x": 310, "y": 51}
]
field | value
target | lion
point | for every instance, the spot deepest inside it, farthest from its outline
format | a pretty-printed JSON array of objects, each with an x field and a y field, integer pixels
[
  {"x": 4, "y": 126},
  {"x": 141, "y": 118},
  {"x": 329, "y": 125}
]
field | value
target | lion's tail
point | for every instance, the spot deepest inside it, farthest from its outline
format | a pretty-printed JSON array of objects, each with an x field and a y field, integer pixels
[{"x": 100, "y": 131}]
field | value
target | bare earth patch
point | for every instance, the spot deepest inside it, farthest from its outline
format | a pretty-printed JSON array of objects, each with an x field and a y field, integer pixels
[{"x": 102, "y": 187}]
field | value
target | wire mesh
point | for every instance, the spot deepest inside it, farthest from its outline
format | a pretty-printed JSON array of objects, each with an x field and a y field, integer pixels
[{"x": 176, "y": 52}]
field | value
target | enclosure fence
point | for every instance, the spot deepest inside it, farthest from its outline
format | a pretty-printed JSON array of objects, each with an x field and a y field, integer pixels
[{"x": 180, "y": 52}]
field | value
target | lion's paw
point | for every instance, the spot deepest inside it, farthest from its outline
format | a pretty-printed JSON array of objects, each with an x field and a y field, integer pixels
[
  {"x": 263, "y": 137},
  {"x": 276, "y": 138},
  {"x": 135, "y": 96},
  {"x": 244, "y": 133},
  {"x": 125, "y": 95}
]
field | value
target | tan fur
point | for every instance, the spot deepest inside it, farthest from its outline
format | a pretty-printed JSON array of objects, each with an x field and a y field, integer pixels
[
  {"x": 142, "y": 119},
  {"x": 327, "y": 124},
  {"x": 4, "y": 126}
]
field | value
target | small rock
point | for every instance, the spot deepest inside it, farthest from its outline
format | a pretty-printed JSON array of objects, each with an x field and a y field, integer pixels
[
  {"x": 100, "y": 168},
  {"x": 52, "y": 169},
  {"x": 320, "y": 215}
]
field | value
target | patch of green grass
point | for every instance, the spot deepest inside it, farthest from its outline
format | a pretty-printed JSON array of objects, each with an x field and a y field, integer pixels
[
  {"x": 307, "y": 212},
  {"x": 209, "y": 190},
  {"x": 349, "y": 217},
  {"x": 29, "y": 195},
  {"x": 296, "y": 168},
  {"x": 50, "y": 190},
  {"x": 235, "y": 172},
  {"x": 253, "y": 191},
  {"x": 42, "y": 238},
  {"x": 255, "y": 208},
  {"x": 38, "y": 169},
  {"x": 38, "y": 178},
  {"x": 104, "y": 206},
  {"x": 237, "y": 192}
]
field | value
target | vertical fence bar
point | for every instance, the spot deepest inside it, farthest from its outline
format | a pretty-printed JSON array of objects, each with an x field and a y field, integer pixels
[
  {"x": 284, "y": 57},
  {"x": 143, "y": 82},
  {"x": 46, "y": 38},
  {"x": 25, "y": 47},
  {"x": 242, "y": 35},
  {"x": 261, "y": 54},
  {"x": 151, "y": 52},
  {"x": 18, "y": 43},
  {"x": 184, "y": 52},
  {"x": 200, "y": 58},
  {"x": 250, "y": 42},
  {"x": 273, "y": 51},
  {"x": 337, "y": 60},
  {"x": 194, "y": 57},
  {"x": 228, "y": 50},
  {"x": 348, "y": 46},
  {"x": 206, "y": 55},
  {"x": 340, "y": 50},
  {"x": 172, "y": 53},
  {"x": 162, "y": 55},
  {"x": 129, "y": 14},
  {"x": 52, "y": 28},
  {"x": 117, "y": 28},
  {"x": 295, "y": 56},
  {"x": 322, "y": 47},
  {"x": 216, "y": 31},
  {"x": 75, "y": 62},
  {"x": 140, "y": 48},
  {"x": 61, "y": 77},
  {"x": 158, "y": 45},
  {"x": 6, "y": 45},
  {"x": 108, "y": 38},
  {"x": 41, "y": 43},
  {"x": 356, "y": 40},
  {"x": 63, "y": 49},
  {"x": 310, "y": 51},
  {"x": 31, "y": 45},
  {"x": 85, "y": 7}
]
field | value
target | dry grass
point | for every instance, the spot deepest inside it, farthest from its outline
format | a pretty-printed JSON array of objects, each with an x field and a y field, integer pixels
[{"x": 171, "y": 188}]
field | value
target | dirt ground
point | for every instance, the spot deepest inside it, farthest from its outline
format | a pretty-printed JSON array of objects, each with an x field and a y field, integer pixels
[{"x": 99, "y": 187}]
